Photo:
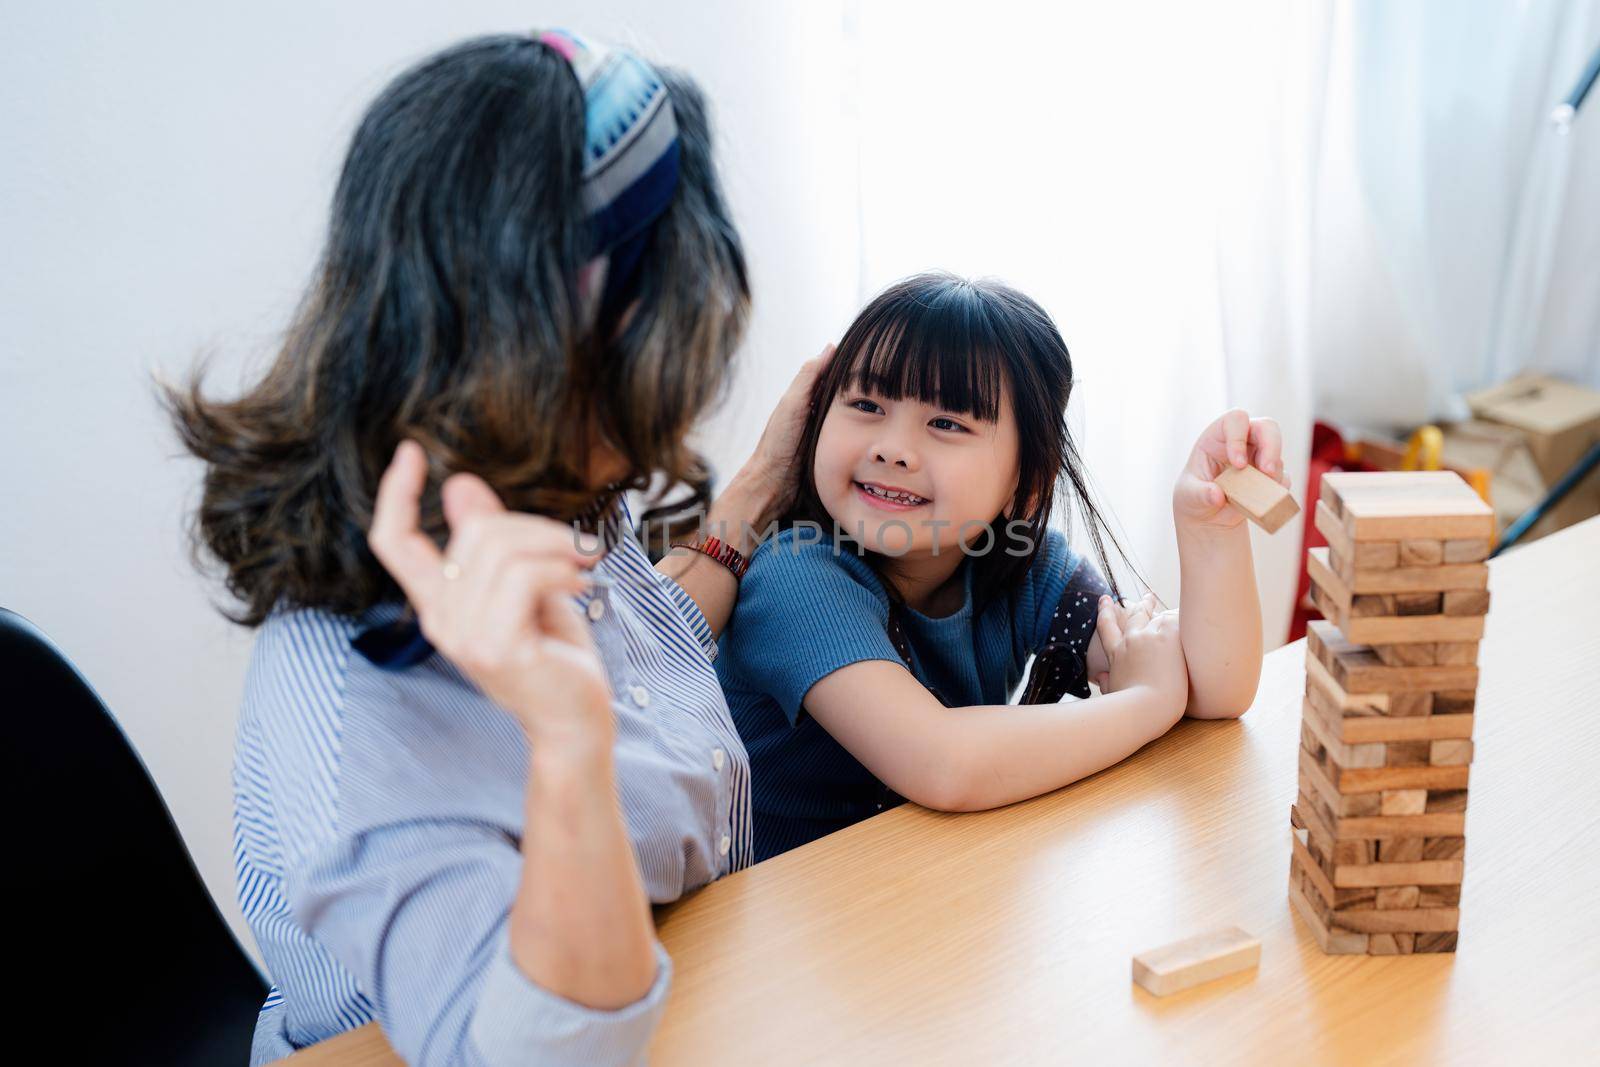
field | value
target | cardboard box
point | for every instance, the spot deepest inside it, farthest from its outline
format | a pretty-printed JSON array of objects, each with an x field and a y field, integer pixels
[{"x": 1559, "y": 422}]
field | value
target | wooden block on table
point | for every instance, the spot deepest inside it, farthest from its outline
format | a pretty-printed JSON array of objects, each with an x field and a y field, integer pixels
[
  {"x": 1373, "y": 605},
  {"x": 1470, "y": 551},
  {"x": 1435, "y": 579},
  {"x": 1409, "y": 604},
  {"x": 1408, "y": 754},
  {"x": 1402, "y": 849},
  {"x": 1377, "y": 875},
  {"x": 1333, "y": 942},
  {"x": 1363, "y": 780},
  {"x": 1358, "y": 670},
  {"x": 1391, "y": 944},
  {"x": 1456, "y": 653},
  {"x": 1359, "y": 851},
  {"x": 1439, "y": 896},
  {"x": 1440, "y": 942},
  {"x": 1404, "y": 802},
  {"x": 1367, "y": 555},
  {"x": 1376, "y": 619},
  {"x": 1185, "y": 964},
  {"x": 1398, "y": 896},
  {"x": 1420, "y": 552},
  {"x": 1379, "y": 779},
  {"x": 1411, "y": 705},
  {"x": 1401, "y": 628},
  {"x": 1383, "y": 827},
  {"x": 1400, "y": 920},
  {"x": 1393, "y": 505},
  {"x": 1466, "y": 602},
  {"x": 1345, "y": 755},
  {"x": 1453, "y": 752},
  {"x": 1455, "y": 701},
  {"x": 1309, "y": 871},
  {"x": 1413, "y": 655},
  {"x": 1313, "y": 777},
  {"x": 1262, "y": 498},
  {"x": 1348, "y": 704},
  {"x": 1419, "y": 728},
  {"x": 1354, "y": 729},
  {"x": 1444, "y": 848}
]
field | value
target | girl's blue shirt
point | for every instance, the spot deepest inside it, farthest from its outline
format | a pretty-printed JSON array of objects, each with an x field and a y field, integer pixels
[{"x": 806, "y": 610}]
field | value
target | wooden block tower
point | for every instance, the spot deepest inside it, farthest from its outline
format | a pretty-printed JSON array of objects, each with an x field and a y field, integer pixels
[{"x": 1386, "y": 732}]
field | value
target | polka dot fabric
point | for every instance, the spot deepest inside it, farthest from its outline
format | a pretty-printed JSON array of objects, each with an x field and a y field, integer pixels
[{"x": 1060, "y": 665}]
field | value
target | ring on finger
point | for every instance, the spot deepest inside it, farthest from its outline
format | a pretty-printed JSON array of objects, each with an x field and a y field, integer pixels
[{"x": 451, "y": 570}]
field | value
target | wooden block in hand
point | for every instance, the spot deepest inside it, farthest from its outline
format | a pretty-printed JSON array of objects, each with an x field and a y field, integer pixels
[
  {"x": 1183, "y": 964},
  {"x": 1262, "y": 499}
]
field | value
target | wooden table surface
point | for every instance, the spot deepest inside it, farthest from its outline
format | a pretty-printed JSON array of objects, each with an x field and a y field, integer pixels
[{"x": 1007, "y": 936}]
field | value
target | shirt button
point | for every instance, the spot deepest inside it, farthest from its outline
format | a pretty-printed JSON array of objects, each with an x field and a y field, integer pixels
[
  {"x": 718, "y": 758},
  {"x": 597, "y": 608},
  {"x": 725, "y": 844},
  {"x": 641, "y": 695}
]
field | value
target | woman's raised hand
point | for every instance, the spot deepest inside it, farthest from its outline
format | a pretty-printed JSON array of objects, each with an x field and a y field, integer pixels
[
  {"x": 774, "y": 461},
  {"x": 497, "y": 601},
  {"x": 1233, "y": 440}
]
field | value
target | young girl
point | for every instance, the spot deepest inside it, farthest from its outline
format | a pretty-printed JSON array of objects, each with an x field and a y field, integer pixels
[{"x": 877, "y": 639}]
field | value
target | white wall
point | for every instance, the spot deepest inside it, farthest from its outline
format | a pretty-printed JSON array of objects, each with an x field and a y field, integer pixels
[{"x": 165, "y": 170}]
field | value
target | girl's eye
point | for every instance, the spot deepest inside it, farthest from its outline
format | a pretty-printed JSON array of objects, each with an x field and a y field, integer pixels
[
  {"x": 865, "y": 405},
  {"x": 942, "y": 423}
]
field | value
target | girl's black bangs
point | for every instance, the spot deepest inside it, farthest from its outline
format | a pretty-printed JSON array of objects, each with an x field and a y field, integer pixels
[{"x": 939, "y": 347}]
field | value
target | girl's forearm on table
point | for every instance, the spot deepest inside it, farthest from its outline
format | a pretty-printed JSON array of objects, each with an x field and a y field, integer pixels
[{"x": 1029, "y": 749}]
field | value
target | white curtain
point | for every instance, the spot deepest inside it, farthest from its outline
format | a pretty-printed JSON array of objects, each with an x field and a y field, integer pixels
[
  {"x": 1143, "y": 171},
  {"x": 1458, "y": 234}
]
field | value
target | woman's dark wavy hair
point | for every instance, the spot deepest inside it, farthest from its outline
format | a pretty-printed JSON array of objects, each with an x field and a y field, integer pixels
[
  {"x": 955, "y": 344},
  {"x": 445, "y": 309}
]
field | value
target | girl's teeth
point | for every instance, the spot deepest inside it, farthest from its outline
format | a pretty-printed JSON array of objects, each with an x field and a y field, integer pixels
[{"x": 899, "y": 498}]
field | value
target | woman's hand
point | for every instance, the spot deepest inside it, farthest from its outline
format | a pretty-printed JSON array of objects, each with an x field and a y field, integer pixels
[
  {"x": 497, "y": 601},
  {"x": 1233, "y": 440},
  {"x": 774, "y": 466},
  {"x": 1144, "y": 650}
]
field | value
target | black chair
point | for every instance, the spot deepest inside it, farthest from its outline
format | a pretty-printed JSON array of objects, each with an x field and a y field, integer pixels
[{"x": 117, "y": 945}]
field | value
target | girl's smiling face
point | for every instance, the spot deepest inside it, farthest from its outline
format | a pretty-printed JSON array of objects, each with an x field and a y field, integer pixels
[{"x": 883, "y": 467}]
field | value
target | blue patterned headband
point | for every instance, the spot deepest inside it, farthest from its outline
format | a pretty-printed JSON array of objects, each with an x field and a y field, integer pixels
[{"x": 630, "y": 161}]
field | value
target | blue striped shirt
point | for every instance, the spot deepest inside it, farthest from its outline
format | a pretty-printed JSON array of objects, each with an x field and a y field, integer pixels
[{"x": 378, "y": 811}]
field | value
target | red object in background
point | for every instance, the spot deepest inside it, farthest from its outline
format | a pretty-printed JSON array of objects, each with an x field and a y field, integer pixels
[{"x": 1328, "y": 453}]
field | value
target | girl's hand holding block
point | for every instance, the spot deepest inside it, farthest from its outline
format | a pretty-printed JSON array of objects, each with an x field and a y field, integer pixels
[
  {"x": 1264, "y": 502},
  {"x": 1237, "y": 460}
]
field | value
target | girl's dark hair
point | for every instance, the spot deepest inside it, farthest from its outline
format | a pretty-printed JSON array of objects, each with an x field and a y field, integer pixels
[
  {"x": 955, "y": 344},
  {"x": 445, "y": 309}
]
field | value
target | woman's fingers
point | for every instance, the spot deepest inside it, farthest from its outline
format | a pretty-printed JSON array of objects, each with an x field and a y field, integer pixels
[
  {"x": 396, "y": 536},
  {"x": 467, "y": 496},
  {"x": 506, "y": 618},
  {"x": 481, "y": 540}
]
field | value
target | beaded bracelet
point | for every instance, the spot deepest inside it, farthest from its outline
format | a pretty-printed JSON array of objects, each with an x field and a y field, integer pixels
[{"x": 720, "y": 551}]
